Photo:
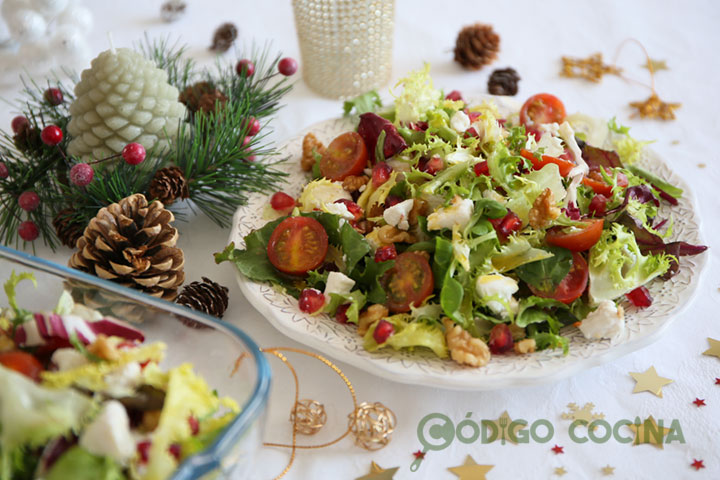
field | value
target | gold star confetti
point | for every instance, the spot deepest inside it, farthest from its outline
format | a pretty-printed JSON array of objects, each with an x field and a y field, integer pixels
[
  {"x": 591, "y": 68},
  {"x": 648, "y": 432},
  {"x": 607, "y": 470},
  {"x": 714, "y": 350},
  {"x": 560, "y": 471},
  {"x": 653, "y": 107},
  {"x": 585, "y": 413},
  {"x": 655, "y": 65},
  {"x": 649, "y": 381},
  {"x": 470, "y": 470},
  {"x": 378, "y": 473},
  {"x": 502, "y": 429}
]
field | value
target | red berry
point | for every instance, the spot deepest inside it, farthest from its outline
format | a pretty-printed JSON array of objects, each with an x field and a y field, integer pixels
[
  {"x": 341, "y": 313},
  {"x": 253, "y": 126},
  {"x": 352, "y": 207},
  {"x": 482, "y": 168},
  {"x": 287, "y": 66},
  {"x": 19, "y": 123},
  {"x": 51, "y": 135},
  {"x": 53, "y": 96},
  {"x": 380, "y": 174},
  {"x": 432, "y": 166},
  {"x": 505, "y": 226},
  {"x": 246, "y": 141},
  {"x": 500, "y": 339},
  {"x": 392, "y": 200},
  {"x": 28, "y": 231},
  {"x": 143, "y": 449},
  {"x": 383, "y": 331},
  {"x": 311, "y": 300},
  {"x": 29, "y": 201},
  {"x": 598, "y": 205},
  {"x": 81, "y": 174},
  {"x": 640, "y": 297},
  {"x": 385, "y": 253},
  {"x": 133, "y": 153},
  {"x": 4, "y": 172},
  {"x": 175, "y": 450},
  {"x": 194, "y": 425},
  {"x": 454, "y": 95},
  {"x": 282, "y": 202},
  {"x": 245, "y": 68},
  {"x": 251, "y": 158}
]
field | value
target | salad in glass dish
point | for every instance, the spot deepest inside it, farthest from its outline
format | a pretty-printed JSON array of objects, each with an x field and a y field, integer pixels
[
  {"x": 452, "y": 227},
  {"x": 83, "y": 397}
]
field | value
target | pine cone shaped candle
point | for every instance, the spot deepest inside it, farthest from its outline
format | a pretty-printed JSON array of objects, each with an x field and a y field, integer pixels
[
  {"x": 133, "y": 243},
  {"x": 122, "y": 98}
]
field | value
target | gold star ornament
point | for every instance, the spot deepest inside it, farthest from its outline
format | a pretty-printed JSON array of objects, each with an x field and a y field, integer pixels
[
  {"x": 653, "y": 107},
  {"x": 560, "y": 471},
  {"x": 714, "y": 350},
  {"x": 470, "y": 470},
  {"x": 649, "y": 381},
  {"x": 591, "y": 68},
  {"x": 378, "y": 473},
  {"x": 648, "y": 432},
  {"x": 504, "y": 429},
  {"x": 607, "y": 470}
]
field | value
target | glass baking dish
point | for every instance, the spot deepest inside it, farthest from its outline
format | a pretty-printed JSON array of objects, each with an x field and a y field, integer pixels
[{"x": 222, "y": 354}]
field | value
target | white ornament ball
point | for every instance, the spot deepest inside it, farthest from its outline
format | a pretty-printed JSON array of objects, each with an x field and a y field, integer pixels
[
  {"x": 9, "y": 7},
  {"x": 77, "y": 16},
  {"x": 26, "y": 25},
  {"x": 69, "y": 39},
  {"x": 49, "y": 8}
]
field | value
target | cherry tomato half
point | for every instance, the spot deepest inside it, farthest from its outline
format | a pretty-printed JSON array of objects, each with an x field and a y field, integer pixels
[
  {"x": 408, "y": 283},
  {"x": 297, "y": 245},
  {"x": 542, "y": 108},
  {"x": 563, "y": 165},
  {"x": 577, "y": 240},
  {"x": 22, "y": 362},
  {"x": 595, "y": 180},
  {"x": 346, "y": 155},
  {"x": 572, "y": 286}
]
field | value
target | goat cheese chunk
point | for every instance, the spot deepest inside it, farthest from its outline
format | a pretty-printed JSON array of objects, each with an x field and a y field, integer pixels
[
  {"x": 109, "y": 434},
  {"x": 339, "y": 209},
  {"x": 457, "y": 213},
  {"x": 67, "y": 359},
  {"x": 607, "y": 321},
  {"x": 498, "y": 291},
  {"x": 338, "y": 283},
  {"x": 460, "y": 121},
  {"x": 398, "y": 214}
]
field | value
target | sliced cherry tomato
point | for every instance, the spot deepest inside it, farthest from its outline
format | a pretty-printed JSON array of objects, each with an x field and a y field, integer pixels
[
  {"x": 595, "y": 180},
  {"x": 572, "y": 286},
  {"x": 408, "y": 283},
  {"x": 577, "y": 241},
  {"x": 564, "y": 165},
  {"x": 346, "y": 155},
  {"x": 297, "y": 245},
  {"x": 542, "y": 108},
  {"x": 22, "y": 362}
]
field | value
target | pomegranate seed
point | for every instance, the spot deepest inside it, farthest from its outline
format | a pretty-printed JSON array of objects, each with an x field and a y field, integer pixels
[
  {"x": 640, "y": 297},
  {"x": 282, "y": 202},
  {"x": 418, "y": 126},
  {"x": 175, "y": 451},
  {"x": 311, "y": 300},
  {"x": 500, "y": 339},
  {"x": 455, "y": 95},
  {"x": 143, "y": 449},
  {"x": 506, "y": 225},
  {"x": 253, "y": 126},
  {"x": 29, "y": 201},
  {"x": 392, "y": 200},
  {"x": 51, "y": 135},
  {"x": 482, "y": 168},
  {"x": 28, "y": 231},
  {"x": 383, "y": 331},
  {"x": 53, "y": 96},
  {"x": 133, "y": 153},
  {"x": 194, "y": 425},
  {"x": 4, "y": 172},
  {"x": 472, "y": 115},
  {"x": 352, "y": 207},
  {"x": 598, "y": 205},
  {"x": 572, "y": 211},
  {"x": 470, "y": 132},
  {"x": 432, "y": 166},
  {"x": 245, "y": 68},
  {"x": 287, "y": 66},
  {"x": 341, "y": 313},
  {"x": 385, "y": 253},
  {"x": 19, "y": 123},
  {"x": 380, "y": 174}
]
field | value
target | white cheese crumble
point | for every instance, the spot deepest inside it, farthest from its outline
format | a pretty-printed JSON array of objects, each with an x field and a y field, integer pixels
[
  {"x": 338, "y": 283},
  {"x": 339, "y": 209},
  {"x": 496, "y": 285},
  {"x": 109, "y": 433},
  {"x": 398, "y": 214},
  {"x": 67, "y": 359},
  {"x": 460, "y": 121},
  {"x": 458, "y": 213},
  {"x": 607, "y": 321}
]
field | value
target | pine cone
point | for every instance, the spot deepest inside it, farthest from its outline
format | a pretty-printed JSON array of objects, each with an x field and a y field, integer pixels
[
  {"x": 133, "y": 243},
  {"x": 224, "y": 37},
  {"x": 207, "y": 297},
  {"x": 28, "y": 140},
  {"x": 67, "y": 228},
  {"x": 202, "y": 96},
  {"x": 168, "y": 185},
  {"x": 503, "y": 81},
  {"x": 477, "y": 45}
]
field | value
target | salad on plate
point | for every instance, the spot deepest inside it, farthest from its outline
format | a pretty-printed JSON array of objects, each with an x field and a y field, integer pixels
[
  {"x": 83, "y": 397},
  {"x": 467, "y": 230}
]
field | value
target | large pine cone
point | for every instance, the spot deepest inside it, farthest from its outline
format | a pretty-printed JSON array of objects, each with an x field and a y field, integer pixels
[
  {"x": 476, "y": 46},
  {"x": 132, "y": 243},
  {"x": 168, "y": 185}
]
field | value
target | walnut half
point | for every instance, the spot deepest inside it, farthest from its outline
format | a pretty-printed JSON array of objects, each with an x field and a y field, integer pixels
[
  {"x": 373, "y": 314},
  {"x": 464, "y": 348},
  {"x": 310, "y": 146},
  {"x": 388, "y": 234},
  {"x": 353, "y": 183},
  {"x": 543, "y": 210}
]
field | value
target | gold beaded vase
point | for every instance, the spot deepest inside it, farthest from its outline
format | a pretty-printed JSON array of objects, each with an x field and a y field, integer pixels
[{"x": 345, "y": 45}]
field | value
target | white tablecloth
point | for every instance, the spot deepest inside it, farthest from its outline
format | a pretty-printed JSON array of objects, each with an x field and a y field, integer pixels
[{"x": 534, "y": 37}]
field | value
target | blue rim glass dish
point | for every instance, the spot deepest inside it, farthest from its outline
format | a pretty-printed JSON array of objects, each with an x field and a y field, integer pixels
[{"x": 221, "y": 353}]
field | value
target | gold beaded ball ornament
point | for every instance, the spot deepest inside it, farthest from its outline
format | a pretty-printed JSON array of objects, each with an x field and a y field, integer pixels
[
  {"x": 309, "y": 416},
  {"x": 372, "y": 424},
  {"x": 122, "y": 98}
]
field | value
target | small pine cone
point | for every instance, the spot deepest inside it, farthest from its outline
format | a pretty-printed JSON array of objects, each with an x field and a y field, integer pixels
[
  {"x": 28, "y": 139},
  {"x": 224, "y": 37},
  {"x": 212, "y": 102},
  {"x": 206, "y": 296},
  {"x": 172, "y": 10},
  {"x": 168, "y": 185},
  {"x": 503, "y": 81},
  {"x": 476, "y": 46},
  {"x": 67, "y": 228},
  {"x": 191, "y": 96}
]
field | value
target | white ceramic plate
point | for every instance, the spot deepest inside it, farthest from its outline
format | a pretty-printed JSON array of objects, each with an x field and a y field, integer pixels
[{"x": 422, "y": 368}]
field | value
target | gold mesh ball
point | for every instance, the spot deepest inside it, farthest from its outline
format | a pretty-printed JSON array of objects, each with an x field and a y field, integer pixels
[
  {"x": 372, "y": 424},
  {"x": 309, "y": 416}
]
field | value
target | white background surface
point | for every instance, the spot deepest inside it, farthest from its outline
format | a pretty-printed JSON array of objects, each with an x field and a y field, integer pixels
[{"x": 534, "y": 37}]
